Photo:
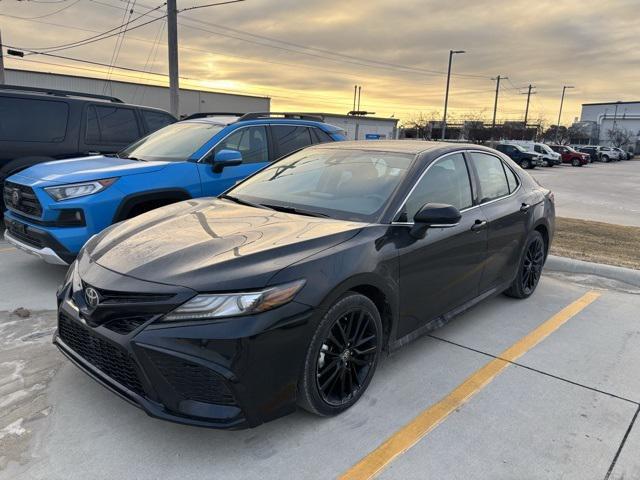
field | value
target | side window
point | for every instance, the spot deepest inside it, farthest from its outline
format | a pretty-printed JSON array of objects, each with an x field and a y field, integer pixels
[
  {"x": 446, "y": 181},
  {"x": 512, "y": 180},
  {"x": 156, "y": 120},
  {"x": 106, "y": 124},
  {"x": 538, "y": 148},
  {"x": 493, "y": 180},
  {"x": 321, "y": 136},
  {"x": 250, "y": 141},
  {"x": 25, "y": 120},
  {"x": 290, "y": 138}
]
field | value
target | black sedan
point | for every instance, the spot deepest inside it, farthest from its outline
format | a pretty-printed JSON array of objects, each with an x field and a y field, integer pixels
[{"x": 287, "y": 289}]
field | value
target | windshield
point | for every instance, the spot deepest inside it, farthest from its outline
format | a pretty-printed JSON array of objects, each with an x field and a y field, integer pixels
[
  {"x": 521, "y": 148},
  {"x": 571, "y": 149},
  {"x": 174, "y": 143},
  {"x": 345, "y": 184}
]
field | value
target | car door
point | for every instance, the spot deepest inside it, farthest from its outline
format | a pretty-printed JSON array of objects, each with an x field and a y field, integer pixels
[
  {"x": 441, "y": 271},
  {"x": 507, "y": 208},
  {"x": 252, "y": 142}
]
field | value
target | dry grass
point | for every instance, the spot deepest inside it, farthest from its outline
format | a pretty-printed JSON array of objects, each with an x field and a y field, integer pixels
[{"x": 597, "y": 242}]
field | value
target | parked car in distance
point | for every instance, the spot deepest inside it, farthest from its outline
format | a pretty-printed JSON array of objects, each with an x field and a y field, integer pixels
[
  {"x": 40, "y": 125},
  {"x": 286, "y": 290},
  {"x": 592, "y": 150},
  {"x": 608, "y": 154},
  {"x": 549, "y": 157},
  {"x": 622, "y": 154},
  {"x": 570, "y": 155},
  {"x": 55, "y": 207},
  {"x": 519, "y": 155}
]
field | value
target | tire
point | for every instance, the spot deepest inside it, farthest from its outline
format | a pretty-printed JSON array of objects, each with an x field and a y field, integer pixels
[
  {"x": 576, "y": 163},
  {"x": 526, "y": 164},
  {"x": 527, "y": 277},
  {"x": 323, "y": 387},
  {"x": 605, "y": 159}
]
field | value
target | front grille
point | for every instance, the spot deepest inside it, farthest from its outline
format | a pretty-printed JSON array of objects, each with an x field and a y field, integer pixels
[
  {"x": 191, "y": 381},
  {"x": 125, "y": 326},
  {"x": 22, "y": 198},
  {"x": 107, "y": 358},
  {"x": 114, "y": 297},
  {"x": 21, "y": 232}
]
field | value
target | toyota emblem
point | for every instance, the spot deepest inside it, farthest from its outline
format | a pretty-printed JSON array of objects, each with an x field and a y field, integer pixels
[
  {"x": 91, "y": 296},
  {"x": 15, "y": 197}
]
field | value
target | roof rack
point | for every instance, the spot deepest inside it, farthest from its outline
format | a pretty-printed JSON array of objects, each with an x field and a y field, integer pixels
[
  {"x": 60, "y": 93},
  {"x": 296, "y": 115},
  {"x": 212, "y": 114}
]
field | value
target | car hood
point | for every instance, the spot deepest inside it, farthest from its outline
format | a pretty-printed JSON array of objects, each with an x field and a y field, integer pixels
[
  {"x": 85, "y": 169},
  {"x": 214, "y": 245}
]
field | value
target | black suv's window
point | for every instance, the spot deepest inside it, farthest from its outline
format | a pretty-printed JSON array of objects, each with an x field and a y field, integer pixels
[
  {"x": 107, "y": 124},
  {"x": 250, "y": 141},
  {"x": 156, "y": 120},
  {"x": 27, "y": 120},
  {"x": 447, "y": 181},
  {"x": 290, "y": 138},
  {"x": 321, "y": 136},
  {"x": 492, "y": 177}
]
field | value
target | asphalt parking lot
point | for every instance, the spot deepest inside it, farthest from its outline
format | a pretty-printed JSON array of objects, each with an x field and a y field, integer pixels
[
  {"x": 559, "y": 403},
  {"x": 604, "y": 192}
]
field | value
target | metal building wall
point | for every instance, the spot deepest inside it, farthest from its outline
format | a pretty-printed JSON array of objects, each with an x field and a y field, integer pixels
[
  {"x": 191, "y": 101},
  {"x": 385, "y": 128}
]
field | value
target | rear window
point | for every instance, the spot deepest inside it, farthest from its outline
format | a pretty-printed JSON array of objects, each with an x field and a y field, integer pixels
[
  {"x": 30, "y": 120},
  {"x": 156, "y": 120},
  {"x": 291, "y": 138},
  {"x": 109, "y": 125}
]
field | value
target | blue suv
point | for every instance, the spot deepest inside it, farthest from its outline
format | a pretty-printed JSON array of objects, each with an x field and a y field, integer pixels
[{"x": 55, "y": 207}]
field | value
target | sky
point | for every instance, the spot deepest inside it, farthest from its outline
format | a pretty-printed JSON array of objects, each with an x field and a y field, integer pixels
[{"x": 308, "y": 55}]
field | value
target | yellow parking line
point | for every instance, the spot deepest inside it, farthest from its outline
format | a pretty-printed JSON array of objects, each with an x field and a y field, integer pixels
[{"x": 410, "y": 434}]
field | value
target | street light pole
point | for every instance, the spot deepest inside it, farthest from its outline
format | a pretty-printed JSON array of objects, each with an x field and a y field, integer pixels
[
  {"x": 564, "y": 88},
  {"x": 446, "y": 95}
]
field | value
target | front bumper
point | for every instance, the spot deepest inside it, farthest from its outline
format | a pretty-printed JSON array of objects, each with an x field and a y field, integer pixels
[
  {"x": 36, "y": 241},
  {"x": 228, "y": 374}
]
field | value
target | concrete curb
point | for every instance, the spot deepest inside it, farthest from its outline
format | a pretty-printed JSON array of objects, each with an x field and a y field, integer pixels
[{"x": 569, "y": 265}]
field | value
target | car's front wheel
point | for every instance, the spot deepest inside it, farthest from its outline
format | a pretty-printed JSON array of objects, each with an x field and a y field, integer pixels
[
  {"x": 530, "y": 268},
  {"x": 576, "y": 163},
  {"x": 342, "y": 357}
]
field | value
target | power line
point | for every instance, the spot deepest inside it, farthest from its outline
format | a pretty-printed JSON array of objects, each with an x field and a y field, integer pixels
[
  {"x": 210, "y": 5},
  {"x": 41, "y": 16}
]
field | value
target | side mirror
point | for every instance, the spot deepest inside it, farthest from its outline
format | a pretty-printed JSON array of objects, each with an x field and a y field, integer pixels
[
  {"x": 434, "y": 215},
  {"x": 226, "y": 158}
]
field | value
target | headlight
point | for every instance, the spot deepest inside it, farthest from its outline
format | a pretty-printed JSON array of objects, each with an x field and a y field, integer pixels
[
  {"x": 208, "y": 306},
  {"x": 75, "y": 190}
]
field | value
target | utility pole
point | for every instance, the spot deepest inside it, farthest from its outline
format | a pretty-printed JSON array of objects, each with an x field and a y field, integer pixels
[
  {"x": 1, "y": 62},
  {"x": 359, "y": 96},
  {"x": 564, "y": 88},
  {"x": 495, "y": 103},
  {"x": 355, "y": 94},
  {"x": 446, "y": 95},
  {"x": 172, "y": 38},
  {"x": 526, "y": 111}
]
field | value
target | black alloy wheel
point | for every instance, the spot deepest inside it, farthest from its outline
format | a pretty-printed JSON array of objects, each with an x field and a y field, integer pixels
[
  {"x": 342, "y": 357},
  {"x": 530, "y": 269}
]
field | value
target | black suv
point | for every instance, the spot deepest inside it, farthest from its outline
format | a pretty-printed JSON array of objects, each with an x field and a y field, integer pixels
[
  {"x": 39, "y": 125},
  {"x": 520, "y": 155}
]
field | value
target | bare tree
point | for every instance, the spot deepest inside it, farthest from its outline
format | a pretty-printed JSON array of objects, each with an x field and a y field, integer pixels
[{"x": 619, "y": 137}]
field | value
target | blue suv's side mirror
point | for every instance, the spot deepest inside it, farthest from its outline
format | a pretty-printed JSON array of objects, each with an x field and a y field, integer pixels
[{"x": 226, "y": 158}]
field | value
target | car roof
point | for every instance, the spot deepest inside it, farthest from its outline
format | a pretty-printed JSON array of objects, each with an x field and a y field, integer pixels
[
  {"x": 225, "y": 120},
  {"x": 413, "y": 147}
]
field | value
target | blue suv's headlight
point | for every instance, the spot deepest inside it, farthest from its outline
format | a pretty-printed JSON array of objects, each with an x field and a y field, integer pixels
[{"x": 75, "y": 190}]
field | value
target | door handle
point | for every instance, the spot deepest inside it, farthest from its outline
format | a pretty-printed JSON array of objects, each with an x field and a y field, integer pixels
[
  {"x": 525, "y": 207},
  {"x": 479, "y": 225}
]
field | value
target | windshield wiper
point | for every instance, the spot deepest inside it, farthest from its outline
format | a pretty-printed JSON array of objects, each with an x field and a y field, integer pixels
[
  {"x": 299, "y": 211},
  {"x": 244, "y": 202}
]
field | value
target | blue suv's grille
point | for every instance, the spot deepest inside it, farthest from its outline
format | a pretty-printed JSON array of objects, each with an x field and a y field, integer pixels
[{"x": 22, "y": 198}]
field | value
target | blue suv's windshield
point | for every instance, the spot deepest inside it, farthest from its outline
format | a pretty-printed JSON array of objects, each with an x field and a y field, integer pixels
[{"x": 174, "y": 143}]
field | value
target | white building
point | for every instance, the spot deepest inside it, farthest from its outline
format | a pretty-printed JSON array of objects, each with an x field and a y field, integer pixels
[
  {"x": 363, "y": 128},
  {"x": 604, "y": 117},
  {"x": 191, "y": 101}
]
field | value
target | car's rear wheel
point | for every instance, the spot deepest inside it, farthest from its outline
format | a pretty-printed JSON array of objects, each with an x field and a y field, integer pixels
[
  {"x": 525, "y": 164},
  {"x": 530, "y": 268},
  {"x": 342, "y": 357}
]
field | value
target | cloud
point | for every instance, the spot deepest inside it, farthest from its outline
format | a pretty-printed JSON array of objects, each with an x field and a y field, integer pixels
[{"x": 587, "y": 43}]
